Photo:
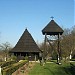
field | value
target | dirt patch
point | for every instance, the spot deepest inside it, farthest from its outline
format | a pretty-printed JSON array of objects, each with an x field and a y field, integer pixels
[{"x": 25, "y": 69}]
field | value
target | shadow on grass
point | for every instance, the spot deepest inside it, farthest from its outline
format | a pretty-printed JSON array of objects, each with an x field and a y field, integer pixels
[
  {"x": 49, "y": 70},
  {"x": 62, "y": 69},
  {"x": 69, "y": 70}
]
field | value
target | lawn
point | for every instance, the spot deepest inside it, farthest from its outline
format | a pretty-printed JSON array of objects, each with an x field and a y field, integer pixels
[{"x": 52, "y": 69}]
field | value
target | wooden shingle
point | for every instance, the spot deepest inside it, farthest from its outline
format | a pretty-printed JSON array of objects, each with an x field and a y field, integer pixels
[
  {"x": 26, "y": 44},
  {"x": 52, "y": 28}
]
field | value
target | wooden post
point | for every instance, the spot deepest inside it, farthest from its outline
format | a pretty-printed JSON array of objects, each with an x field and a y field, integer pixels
[
  {"x": 45, "y": 43},
  {"x": 35, "y": 57},
  {"x": 59, "y": 51},
  {"x": 44, "y": 55},
  {"x": 16, "y": 54},
  {"x": 20, "y": 54}
]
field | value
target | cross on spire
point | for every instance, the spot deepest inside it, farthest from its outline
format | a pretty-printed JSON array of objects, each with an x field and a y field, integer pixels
[{"x": 52, "y": 17}]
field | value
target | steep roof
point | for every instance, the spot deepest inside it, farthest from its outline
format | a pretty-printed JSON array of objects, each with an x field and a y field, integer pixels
[
  {"x": 52, "y": 28},
  {"x": 26, "y": 44}
]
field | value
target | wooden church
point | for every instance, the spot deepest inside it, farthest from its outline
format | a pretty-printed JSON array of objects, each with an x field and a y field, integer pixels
[{"x": 26, "y": 46}]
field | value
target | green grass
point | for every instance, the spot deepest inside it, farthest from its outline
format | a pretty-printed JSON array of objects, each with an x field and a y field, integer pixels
[{"x": 52, "y": 69}]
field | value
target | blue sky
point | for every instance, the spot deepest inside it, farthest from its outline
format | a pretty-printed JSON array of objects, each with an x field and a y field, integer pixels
[{"x": 16, "y": 15}]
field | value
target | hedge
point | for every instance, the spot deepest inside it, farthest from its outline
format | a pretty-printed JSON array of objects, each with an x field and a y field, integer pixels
[
  {"x": 72, "y": 59},
  {"x": 1, "y": 63},
  {"x": 7, "y": 63},
  {"x": 13, "y": 67}
]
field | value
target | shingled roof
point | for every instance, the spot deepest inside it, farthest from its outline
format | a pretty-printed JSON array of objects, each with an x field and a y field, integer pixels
[
  {"x": 52, "y": 28},
  {"x": 26, "y": 44}
]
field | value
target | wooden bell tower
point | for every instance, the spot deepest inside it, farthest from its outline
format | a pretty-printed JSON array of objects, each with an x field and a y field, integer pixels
[{"x": 53, "y": 29}]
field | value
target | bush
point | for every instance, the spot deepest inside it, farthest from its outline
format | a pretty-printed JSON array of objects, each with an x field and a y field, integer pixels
[
  {"x": 13, "y": 67},
  {"x": 13, "y": 57},
  {"x": 26, "y": 57},
  {"x": 7, "y": 63}
]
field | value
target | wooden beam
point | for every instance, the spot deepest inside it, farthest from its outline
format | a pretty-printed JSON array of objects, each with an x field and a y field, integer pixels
[{"x": 59, "y": 51}]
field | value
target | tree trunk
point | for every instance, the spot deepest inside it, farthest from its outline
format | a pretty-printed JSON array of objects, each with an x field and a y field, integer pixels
[
  {"x": 0, "y": 71},
  {"x": 71, "y": 55}
]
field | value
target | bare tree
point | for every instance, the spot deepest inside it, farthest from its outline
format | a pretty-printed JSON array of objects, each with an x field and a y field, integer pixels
[
  {"x": 5, "y": 47},
  {"x": 68, "y": 43}
]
